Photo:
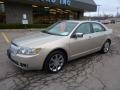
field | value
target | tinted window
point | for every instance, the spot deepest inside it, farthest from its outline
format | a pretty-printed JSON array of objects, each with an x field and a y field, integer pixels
[
  {"x": 84, "y": 28},
  {"x": 97, "y": 27}
]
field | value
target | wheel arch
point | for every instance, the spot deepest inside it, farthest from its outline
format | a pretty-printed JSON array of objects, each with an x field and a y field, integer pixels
[
  {"x": 57, "y": 49},
  {"x": 106, "y": 39},
  {"x": 109, "y": 40}
]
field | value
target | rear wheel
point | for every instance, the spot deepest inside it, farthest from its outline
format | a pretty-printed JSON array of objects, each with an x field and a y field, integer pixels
[
  {"x": 55, "y": 62},
  {"x": 106, "y": 47}
]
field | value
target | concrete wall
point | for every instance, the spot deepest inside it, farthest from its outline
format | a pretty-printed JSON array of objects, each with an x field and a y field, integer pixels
[{"x": 15, "y": 11}]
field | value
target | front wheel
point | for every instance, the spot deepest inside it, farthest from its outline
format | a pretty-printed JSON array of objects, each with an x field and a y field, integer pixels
[
  {"x": 55, "y": 62},
  {"x": 106, "y": 47}
]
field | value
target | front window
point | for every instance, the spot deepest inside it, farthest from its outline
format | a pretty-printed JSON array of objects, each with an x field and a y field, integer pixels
[
  {"x": 84, "y": 28},
  {"x": 61, "y": 28}
]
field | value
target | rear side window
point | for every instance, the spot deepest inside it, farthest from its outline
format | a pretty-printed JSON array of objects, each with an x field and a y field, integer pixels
[
  {"x": 84, "y": 28},
  {"x": 97, "y": 27}
]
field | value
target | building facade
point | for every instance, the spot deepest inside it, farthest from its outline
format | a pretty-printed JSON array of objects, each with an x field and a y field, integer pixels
[{"x": 43, "y": 11}]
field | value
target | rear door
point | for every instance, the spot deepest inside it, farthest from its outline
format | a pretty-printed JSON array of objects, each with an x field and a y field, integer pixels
[{"x": 98, "y": 35}]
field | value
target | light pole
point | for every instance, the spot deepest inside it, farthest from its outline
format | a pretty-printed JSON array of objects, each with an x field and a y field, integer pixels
[
  {"x": 118, "y": 11},
  {"x": 98, "y": 7}
]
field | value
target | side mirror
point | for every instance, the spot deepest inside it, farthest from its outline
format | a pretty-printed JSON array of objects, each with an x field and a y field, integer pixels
[{"x": 79, "y": 34}]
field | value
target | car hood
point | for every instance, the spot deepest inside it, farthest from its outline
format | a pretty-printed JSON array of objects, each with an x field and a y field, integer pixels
[{"x": 36, "y": 40}]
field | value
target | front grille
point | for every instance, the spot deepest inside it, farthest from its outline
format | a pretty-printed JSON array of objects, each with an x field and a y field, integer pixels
[{"x": 23, "y": 65}]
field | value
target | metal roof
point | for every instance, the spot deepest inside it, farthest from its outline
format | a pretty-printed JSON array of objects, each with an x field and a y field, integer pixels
[
  {"x": 79, "y": 5},
  {"x": 87, "y": 1}
]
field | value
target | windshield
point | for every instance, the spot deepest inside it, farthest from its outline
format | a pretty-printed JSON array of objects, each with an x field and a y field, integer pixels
[{"x": 61, "y": 28}]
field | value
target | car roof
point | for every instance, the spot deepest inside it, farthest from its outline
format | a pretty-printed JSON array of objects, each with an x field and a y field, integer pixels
[{"x": 81, "y": 21}]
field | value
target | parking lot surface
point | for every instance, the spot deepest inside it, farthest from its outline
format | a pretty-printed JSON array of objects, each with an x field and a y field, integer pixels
[{"x": 93, "y": 72}]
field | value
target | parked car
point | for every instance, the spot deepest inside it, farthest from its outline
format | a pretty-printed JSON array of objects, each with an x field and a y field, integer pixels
[
  {"x": 112, "y": 21},
  {"x": 62, "y": 42},
  {"x": 105, "y": 21}
]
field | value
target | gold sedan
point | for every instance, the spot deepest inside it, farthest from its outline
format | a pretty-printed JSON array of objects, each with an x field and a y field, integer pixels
[{"x": 58, "y": 44}]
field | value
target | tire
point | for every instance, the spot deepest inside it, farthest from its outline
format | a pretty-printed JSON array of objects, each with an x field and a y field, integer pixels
[
  {"x": 55, "y": 62},
  {"x": 106, "y": 47}
]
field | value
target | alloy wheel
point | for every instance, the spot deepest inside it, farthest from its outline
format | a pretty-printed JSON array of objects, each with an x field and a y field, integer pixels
[
  {"x": 56, "y": 62},
  {"x": 106, "y": 47}
]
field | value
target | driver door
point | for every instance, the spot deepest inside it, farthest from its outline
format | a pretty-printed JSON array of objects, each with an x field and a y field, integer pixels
[{"x": 80, "y": 46}]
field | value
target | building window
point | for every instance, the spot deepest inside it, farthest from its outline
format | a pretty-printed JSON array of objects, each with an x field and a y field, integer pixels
[
  {"x": 2, "y": 8},
  {"x": 2, "y": 13},
  {"x": 49, "y": 15}
]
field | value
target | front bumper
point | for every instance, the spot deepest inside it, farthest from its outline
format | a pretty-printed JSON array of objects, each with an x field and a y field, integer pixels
[{"x": 26, "y": 62}]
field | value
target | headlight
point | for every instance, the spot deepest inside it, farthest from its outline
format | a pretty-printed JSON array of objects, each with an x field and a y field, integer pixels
[{"x": 28, "y": 51}]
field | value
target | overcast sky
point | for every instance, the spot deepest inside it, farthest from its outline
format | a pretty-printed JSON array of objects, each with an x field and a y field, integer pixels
[{"x": 107, "y": 7}]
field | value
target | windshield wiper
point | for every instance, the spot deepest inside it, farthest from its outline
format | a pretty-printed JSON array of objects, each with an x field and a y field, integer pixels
[{"x": 44, "y": 31}]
